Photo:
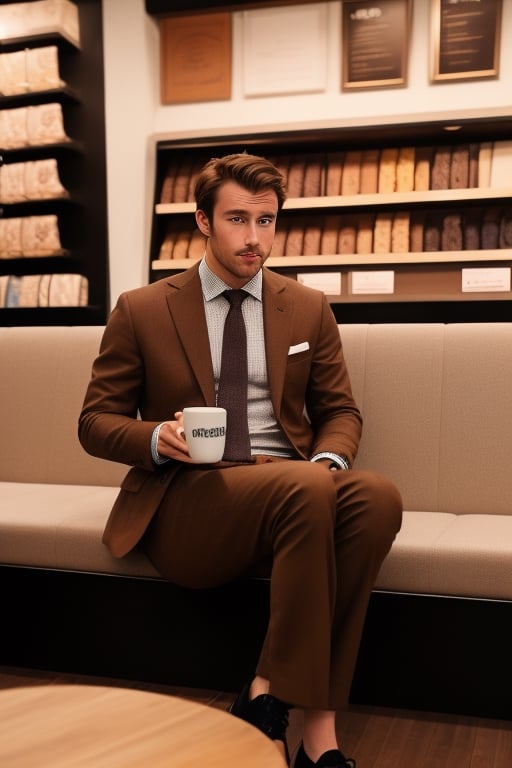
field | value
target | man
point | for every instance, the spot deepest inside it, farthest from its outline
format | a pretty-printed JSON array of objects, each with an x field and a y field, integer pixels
[{"x": 293, "y": 501}]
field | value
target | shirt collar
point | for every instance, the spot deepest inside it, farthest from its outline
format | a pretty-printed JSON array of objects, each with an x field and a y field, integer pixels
[{"x": 213, "y": 286}]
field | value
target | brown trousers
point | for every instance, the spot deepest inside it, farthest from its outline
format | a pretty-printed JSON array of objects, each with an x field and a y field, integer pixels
[{"x": 325, "y": 535}]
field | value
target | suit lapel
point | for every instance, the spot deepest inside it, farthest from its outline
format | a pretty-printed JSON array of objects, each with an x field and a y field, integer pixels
[
  {"x": 185, "y": 302},
  {"x": 277, "y": 320}
]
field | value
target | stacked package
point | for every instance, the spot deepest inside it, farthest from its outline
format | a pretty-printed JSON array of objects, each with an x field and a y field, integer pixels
[
  {"x": 30, "y": 236},
  {"x": 55, "y": 290},
  {"x": 45, "y": 17},
  {"x": 35, "y": 180}
]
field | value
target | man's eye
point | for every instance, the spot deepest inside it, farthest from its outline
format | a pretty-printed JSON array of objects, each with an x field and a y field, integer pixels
[{"x": 266, "y": 220}]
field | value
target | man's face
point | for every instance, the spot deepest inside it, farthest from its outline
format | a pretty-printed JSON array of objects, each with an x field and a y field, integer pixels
[{"x": 241, "y": 232}]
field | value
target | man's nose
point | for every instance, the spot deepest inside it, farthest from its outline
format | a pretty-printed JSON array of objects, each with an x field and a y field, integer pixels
[{"x": 251, "y": 234}]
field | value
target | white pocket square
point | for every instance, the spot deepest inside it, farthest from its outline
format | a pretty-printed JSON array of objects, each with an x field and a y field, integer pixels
[{"x": 296, "y": 348}]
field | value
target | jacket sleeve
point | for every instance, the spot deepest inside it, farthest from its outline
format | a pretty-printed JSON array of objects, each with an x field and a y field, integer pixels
[
  {"x": 334, "y": 415},
  {"x": 109, "y": 425}
]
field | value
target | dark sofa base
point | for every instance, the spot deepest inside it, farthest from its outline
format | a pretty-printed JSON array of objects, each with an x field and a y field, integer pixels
[{"x": 431, "y": 653}]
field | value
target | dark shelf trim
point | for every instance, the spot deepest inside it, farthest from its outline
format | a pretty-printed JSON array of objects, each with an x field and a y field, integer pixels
[
  {"x": 160, "y": 8},
  {"x": 35, "y": 207},
  {"x": 423, "y": 312},
  {"x": 37, "y": 41},
  {"x": 41, "y": 265},
  {"x": 29, "y": 98},
  {"x": 28, "y": 151},
  {"x": 32, "y": 316}
]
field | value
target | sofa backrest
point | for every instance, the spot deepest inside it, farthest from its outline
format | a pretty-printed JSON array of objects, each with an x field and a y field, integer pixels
[
  {"x": 436, "y": 401},
  {"x": 44, "y": 374},
  {"x": 437, "y": 408}
]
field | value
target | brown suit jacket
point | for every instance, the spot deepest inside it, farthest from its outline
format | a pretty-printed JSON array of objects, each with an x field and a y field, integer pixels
[{"x": 155, "y": 359}]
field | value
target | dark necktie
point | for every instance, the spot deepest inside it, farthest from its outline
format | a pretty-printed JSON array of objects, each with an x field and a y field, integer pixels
[{"x": 232, "y": 392}]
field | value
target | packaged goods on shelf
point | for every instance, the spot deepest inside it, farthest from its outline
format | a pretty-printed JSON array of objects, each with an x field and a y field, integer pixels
[
  {"x": 29, "y": 71},
  {"x": 48, "y": 290},
  {"x": 32, "y": 126},
  {"x": 30, "y": 236},
  {"x": 44, "y": 17},
  {"x": 34, "y": 180}
]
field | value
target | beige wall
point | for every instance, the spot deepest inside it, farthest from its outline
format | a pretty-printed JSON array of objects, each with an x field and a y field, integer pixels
[{"x": 135, "y": 117}]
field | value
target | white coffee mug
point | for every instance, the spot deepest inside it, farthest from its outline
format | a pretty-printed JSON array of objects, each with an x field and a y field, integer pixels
[{"x": 205, "y": 433}]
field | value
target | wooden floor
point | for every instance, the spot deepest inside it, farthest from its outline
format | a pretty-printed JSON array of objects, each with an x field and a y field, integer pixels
[{"x": 375, "y": 737}]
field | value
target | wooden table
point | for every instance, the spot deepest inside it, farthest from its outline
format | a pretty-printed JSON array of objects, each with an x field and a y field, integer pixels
[{"x": 89, "y": 726}]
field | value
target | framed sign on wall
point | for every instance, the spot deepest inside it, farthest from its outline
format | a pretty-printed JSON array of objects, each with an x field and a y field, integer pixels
[
  {"x": 375, "y": 43},
  {"x": 195, "y": 58},
  {"x": 283, "y": 52},
  {"x": 465, "y": 39}
]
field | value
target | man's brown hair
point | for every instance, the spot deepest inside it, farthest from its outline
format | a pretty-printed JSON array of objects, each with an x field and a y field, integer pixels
[{"x": 251, "y": 172}]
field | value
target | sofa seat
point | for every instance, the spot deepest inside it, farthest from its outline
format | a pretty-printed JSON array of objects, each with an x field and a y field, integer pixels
[
  {"x": 473, "y": 558},
  {"x": 438, "y": 553},
  {"x": 60, "y": 526}
]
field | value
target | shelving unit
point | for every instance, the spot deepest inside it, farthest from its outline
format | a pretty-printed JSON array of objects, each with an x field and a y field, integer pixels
[
  {"x": 82, "y": 214},
  {"x": 379, "y": 201},
  {"x": 427, "y": 284}
]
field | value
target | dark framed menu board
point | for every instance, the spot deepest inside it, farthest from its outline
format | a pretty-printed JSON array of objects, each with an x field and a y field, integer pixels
[
  {"x": 465, "y": 39},
  {"x": 375, "y": 43}
]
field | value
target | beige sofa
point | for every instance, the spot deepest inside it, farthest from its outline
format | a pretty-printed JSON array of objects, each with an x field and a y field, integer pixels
[{"x": 437, "y": 407}]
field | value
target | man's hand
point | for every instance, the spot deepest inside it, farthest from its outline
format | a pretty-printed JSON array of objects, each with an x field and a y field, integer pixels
[{"x": 171, "y": 439}]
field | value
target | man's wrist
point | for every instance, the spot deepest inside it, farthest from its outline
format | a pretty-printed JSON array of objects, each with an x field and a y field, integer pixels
[
  {"x": 154, "y": 446},
  {"x": 337, "y": 461}
]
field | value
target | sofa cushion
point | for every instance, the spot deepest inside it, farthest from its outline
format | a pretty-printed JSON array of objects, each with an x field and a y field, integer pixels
[
  {"x": 473, "y": 558},
  {"x": 45, "y": 371},
  {"x": 407, "y": 567},
  {"x": 60, "y": 526},
  {"x": 396, "y": 371},
  {"x": 476, "y": 430},
  {"x": 438, "y": 553},
  {"x": 437, "y": 411}
]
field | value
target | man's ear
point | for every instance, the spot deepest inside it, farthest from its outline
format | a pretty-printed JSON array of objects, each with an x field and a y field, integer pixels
[{"x": 203, "y": 222}]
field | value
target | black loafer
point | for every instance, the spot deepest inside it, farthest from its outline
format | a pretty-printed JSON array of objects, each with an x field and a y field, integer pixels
[
  {"x": 265, "y": 712},
  {"x": 331, "y": 759}
]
